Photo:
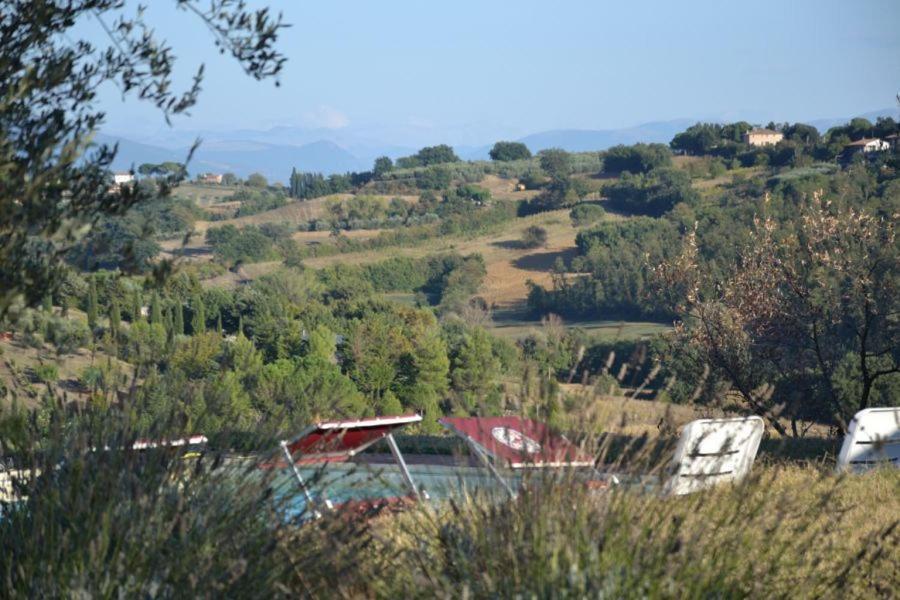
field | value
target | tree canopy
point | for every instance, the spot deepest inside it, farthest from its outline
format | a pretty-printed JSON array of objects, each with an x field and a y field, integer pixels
[
  {"x": 506, "y": 151},
  {"x": 53, "y": 180}
]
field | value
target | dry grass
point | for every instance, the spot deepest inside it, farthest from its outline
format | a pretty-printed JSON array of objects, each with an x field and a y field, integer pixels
[
  {"x": 204, "y": 194},
  {"x": 317, "y": 237},
  {"x": 505, "y": 189},
  {"x": 18, "y": 361},
  {"x": 509, "y": 265},
  {"x": 792, "y": 531},
  {"x": 511, "y": 326}
]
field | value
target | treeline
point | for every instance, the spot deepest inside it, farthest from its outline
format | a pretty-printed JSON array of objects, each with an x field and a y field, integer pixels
[
  {"x": 802, "y": 143},
  {"x": 312, "y": 185}
]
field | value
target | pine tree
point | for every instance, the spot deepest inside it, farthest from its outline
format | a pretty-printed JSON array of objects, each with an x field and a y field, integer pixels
[
  {"x": 178, "y": 319},
  {"x": 155, "y": 309},
  {"x": 92, "y": 306},
  {"x": 198, "y": 323},
  {"x": 48, "y": 304},
  {"x": 115, "y": 317}
]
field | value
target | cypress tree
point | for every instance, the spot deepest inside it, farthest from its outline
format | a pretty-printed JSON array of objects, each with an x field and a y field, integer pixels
[
  {"x": 93, "y": 305},
  {"x": 168, "y": 322},
  {"x": 198, "y": 323},
  {"x": 219, "y": 323},
  {"x": 155, "y": 309},
  {"x": 240, "y": 330},
  {"x": 178, "y": 319},
  {"x": 48, "y": 303},
  {"x": 294, "y": 183},
  {"x": 136, "y": 303},
  {"x": 115, "y": 317}
]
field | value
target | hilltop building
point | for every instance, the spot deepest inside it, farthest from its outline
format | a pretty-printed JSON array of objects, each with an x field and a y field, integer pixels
[
  {"x": 762, "y": 137},
  {"x": 867, "y": 145}
]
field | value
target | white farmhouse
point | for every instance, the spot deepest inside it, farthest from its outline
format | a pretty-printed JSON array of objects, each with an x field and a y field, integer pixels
[
  {"x": 867, "y": 145},
  {"x": 122, "y": 177}
]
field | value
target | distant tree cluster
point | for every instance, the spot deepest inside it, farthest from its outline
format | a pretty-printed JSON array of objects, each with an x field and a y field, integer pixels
[
  {"x": 559, "y": 188},
  {"x": 313, "y": 185},
  {"x": 703, "y": 138},
  {"x": 637, "y": 158},
  {"x": 507, "y": 151},
  {"x": 430, "y": 155},
  {"x": 654, "y": 193},
  {"x": 257, "y": 200}
]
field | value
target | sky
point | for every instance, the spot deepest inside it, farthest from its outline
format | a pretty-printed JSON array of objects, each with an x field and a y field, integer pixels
[{"x": 468, "y": 72}]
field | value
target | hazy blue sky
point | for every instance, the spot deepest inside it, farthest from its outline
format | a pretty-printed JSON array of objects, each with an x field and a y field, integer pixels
[{"x": 471, "y": 71}]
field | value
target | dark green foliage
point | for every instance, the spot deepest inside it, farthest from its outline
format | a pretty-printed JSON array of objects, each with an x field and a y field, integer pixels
[
  {"x": 534, "y": 237},
  {"x": 586, "y": 214},
  {"x": 92, "y": 305},
  {"x": 167, "y": 169},
  {"x": 637, "y": 158},
  {"x": 802, "y": 133},
  {"x": 129, "y": 242},
  {"x": 156, "y": 316},
  {"x": 856, "y": 129},
  {"x": 430, "y": 155},
  {"x": 433, "y": 178},
  {"x": 652, "y": 194},
  {"x": 314, "y": 185},
  {"x": 48, "y": 122},
  {"x": 556, "y": 163},
  {"x": 115, "y": 318},
  {"x": 704, "y": 138},
  {"x": 178, "y": 318},
  {"x": 198, "y": 318},
  {"x": 233, "y": 245},
  {"x": 616, "y": 258},
  {"x": 257, "y": 201},
  {"x": 447, "y": 280},
  {"x": 137, "y": 304},
  {"x": 506, "y": 151},
  {"x": 257, "y": 180},
  {"x": 383, "y": 165}
]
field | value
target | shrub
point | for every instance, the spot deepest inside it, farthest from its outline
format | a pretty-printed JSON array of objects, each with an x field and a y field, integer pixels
[
  {"x": 534, "y": 237},
  {"x": 586, "y": 214},
  {"x": 46, "y": 373}
]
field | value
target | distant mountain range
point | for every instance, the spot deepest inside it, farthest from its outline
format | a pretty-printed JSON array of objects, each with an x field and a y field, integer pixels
[{"x": 276, "y": 151}]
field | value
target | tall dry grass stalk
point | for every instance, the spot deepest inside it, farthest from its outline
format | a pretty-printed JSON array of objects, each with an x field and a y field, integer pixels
[{"x": 118, "y": 523}]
